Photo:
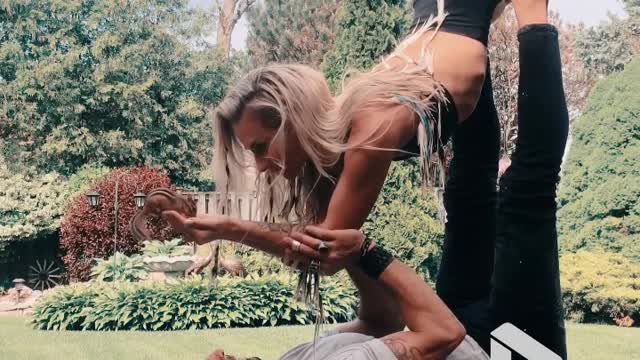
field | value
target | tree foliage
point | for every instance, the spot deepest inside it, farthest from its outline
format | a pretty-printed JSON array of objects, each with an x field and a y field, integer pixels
[
  {"x": 365, "y": 31},
  {"x": 405, "y": 220},
  {"x": 87, "y": 234},
  {"x": 294, "y": 31},
  {"x": 109, "y": 83},
  {"x": 30, "y": 204},
  {"x": 610, "y": 46},
  {"x": 600, "y": 192}
]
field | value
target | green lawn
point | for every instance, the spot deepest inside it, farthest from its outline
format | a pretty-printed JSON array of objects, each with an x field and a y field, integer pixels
[{"x": 18, "y": 341}]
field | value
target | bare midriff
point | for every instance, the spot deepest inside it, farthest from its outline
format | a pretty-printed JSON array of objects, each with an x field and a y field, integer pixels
[{"x": 459, "y": 64}]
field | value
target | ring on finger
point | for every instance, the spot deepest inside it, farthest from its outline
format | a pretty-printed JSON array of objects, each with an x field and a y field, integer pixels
[
  {"x": 323, "y": 247},
  {"x": 295, "y": 245}
]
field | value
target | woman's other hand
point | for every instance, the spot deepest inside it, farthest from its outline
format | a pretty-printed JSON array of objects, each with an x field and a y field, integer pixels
[{"x": 342, "y": 247}]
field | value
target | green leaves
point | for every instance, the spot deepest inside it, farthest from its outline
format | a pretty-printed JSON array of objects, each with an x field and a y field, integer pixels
[
  {"x": 111, "y": 83},
  {"x": 599, "y": 195},
  {"x": 119, "y": 267},
  {"x": 298, "y": 31},
  {"x": 30, "y": 204},
  {"x": 188, "y": 304},
  {"x": 600, "y": 287},
  {"x": 405, "y": 220},
  {"x": 366, "y": 31},
  {"x": 165, "y": 248}
]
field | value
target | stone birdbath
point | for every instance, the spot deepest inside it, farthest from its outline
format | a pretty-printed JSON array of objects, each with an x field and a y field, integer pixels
[{"x": 162, "y": 268}]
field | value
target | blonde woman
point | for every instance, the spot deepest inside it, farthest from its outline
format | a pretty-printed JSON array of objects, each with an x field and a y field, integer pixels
[{"x": 323, "y": 160}]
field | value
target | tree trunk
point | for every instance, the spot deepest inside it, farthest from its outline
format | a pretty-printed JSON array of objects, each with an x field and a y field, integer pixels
[{"x": 230, "y": 12}]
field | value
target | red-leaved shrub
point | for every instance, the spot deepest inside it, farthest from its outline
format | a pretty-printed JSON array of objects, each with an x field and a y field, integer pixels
[{"x": 87, "y": 233}]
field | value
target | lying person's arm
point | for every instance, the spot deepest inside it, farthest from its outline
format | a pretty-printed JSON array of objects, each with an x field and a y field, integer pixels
[{"x": 434, "y": 330}]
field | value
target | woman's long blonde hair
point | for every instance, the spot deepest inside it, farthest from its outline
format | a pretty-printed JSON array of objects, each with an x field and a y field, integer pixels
[{"x": 297, "y": 100}]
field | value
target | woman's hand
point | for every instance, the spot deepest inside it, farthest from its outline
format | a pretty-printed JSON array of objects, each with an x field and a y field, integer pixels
[
  {"x": 201, "y": 229},
  {"x": 343, "y": 247}
]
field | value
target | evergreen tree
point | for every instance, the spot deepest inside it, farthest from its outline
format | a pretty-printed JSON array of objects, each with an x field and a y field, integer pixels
[
  {"x": 600, "y": 192},
  {"x": 294, "y": 31},
  {"x": 366, "y": 30}
]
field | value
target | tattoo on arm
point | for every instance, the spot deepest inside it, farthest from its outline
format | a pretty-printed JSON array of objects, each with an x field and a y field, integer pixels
[
  {"x": 404, "y": 351},
  {"x": 277, "y": 227}
]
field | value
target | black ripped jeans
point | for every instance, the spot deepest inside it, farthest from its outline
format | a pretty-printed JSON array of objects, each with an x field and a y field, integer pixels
[{"x": 500, "y": 258}]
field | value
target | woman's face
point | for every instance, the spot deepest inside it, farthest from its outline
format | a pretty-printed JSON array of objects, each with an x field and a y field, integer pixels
[{"x": 273, "y": 151}]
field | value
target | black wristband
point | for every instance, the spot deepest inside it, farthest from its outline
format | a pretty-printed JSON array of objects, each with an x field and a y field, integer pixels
[
  {"x": 375, "y": 261},
  {"x": 366, "y": 244}
]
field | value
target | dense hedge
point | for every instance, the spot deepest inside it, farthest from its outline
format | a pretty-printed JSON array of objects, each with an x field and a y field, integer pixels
[
  {"x": 86, "y": 233},
  {"x": 600, "y": 287},
  {"x": 189, "y": 304},
  {"x": 406, "y": 221},
  {"x": 600, "y": 191}
]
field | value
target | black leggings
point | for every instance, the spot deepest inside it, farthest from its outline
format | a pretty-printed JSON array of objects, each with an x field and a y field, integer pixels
[{"x": 500, "y": 259}]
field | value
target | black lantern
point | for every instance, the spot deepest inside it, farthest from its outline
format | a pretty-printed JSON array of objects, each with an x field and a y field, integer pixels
[
  {"x": 139, "y": 197},
  {"x": 94, "y": 199}
]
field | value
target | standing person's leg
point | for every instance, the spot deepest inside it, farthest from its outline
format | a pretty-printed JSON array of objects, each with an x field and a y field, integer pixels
[
  {"x": 526, "y": 285},
  {"x": 464, "y": 278}
]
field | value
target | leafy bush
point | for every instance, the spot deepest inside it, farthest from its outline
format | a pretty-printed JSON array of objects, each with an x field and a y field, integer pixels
[
  {"x": 83, "y": 181},
  {"x": 31, "y": 204},
  {"x": 165, "y": 248},
  {"x": 87, "y": 233},
  {"x": 260, "y": 263},
  {"x": 119, "y": 267},
  {"x": 600, "y": 287},
  {"x": 600, "y": 193},
  {"x": 187, "y": 304}
]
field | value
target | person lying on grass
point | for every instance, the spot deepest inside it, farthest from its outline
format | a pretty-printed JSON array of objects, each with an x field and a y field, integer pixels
[{"x": 434, "y": 332}]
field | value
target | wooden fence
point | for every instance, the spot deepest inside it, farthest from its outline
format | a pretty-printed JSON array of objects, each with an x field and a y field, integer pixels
[{"x": 241, "y": 204}]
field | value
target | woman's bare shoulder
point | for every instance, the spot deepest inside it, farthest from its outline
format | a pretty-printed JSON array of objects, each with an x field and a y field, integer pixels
[{"x": 390, "y": 128}]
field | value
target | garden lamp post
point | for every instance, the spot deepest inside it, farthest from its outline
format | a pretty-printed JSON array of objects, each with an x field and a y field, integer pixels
[
  {"x": 139, "y": 198},
  {"x": 94, "y": 199}
]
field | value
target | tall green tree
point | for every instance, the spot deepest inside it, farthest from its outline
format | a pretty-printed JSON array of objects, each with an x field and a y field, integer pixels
[
  {"x": 600, "y": 191},
  {"x": 366, "y": 30},
  {"x": 608, "y": 47},
  {"x": 115, "y": 83},
  {"x": 295, "y": 31}
]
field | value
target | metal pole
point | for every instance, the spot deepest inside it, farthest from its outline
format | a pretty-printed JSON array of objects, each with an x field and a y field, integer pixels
[{"x": 115, "y": 227}]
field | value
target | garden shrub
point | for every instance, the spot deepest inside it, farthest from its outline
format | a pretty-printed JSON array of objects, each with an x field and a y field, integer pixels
[
  {"x": 600, "y": 287},
  {"x": 260, "y": 263},
  {"x": 83, "y": 181},
  {"x": 187, "y": 304},
  {"x": 119, "y": 267},
  {"x": 87, "y": 233},
  {"x": 31, "y": 204},
  {"x": 599, "y": 195},
  {"x": 405, "y": 220}
]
